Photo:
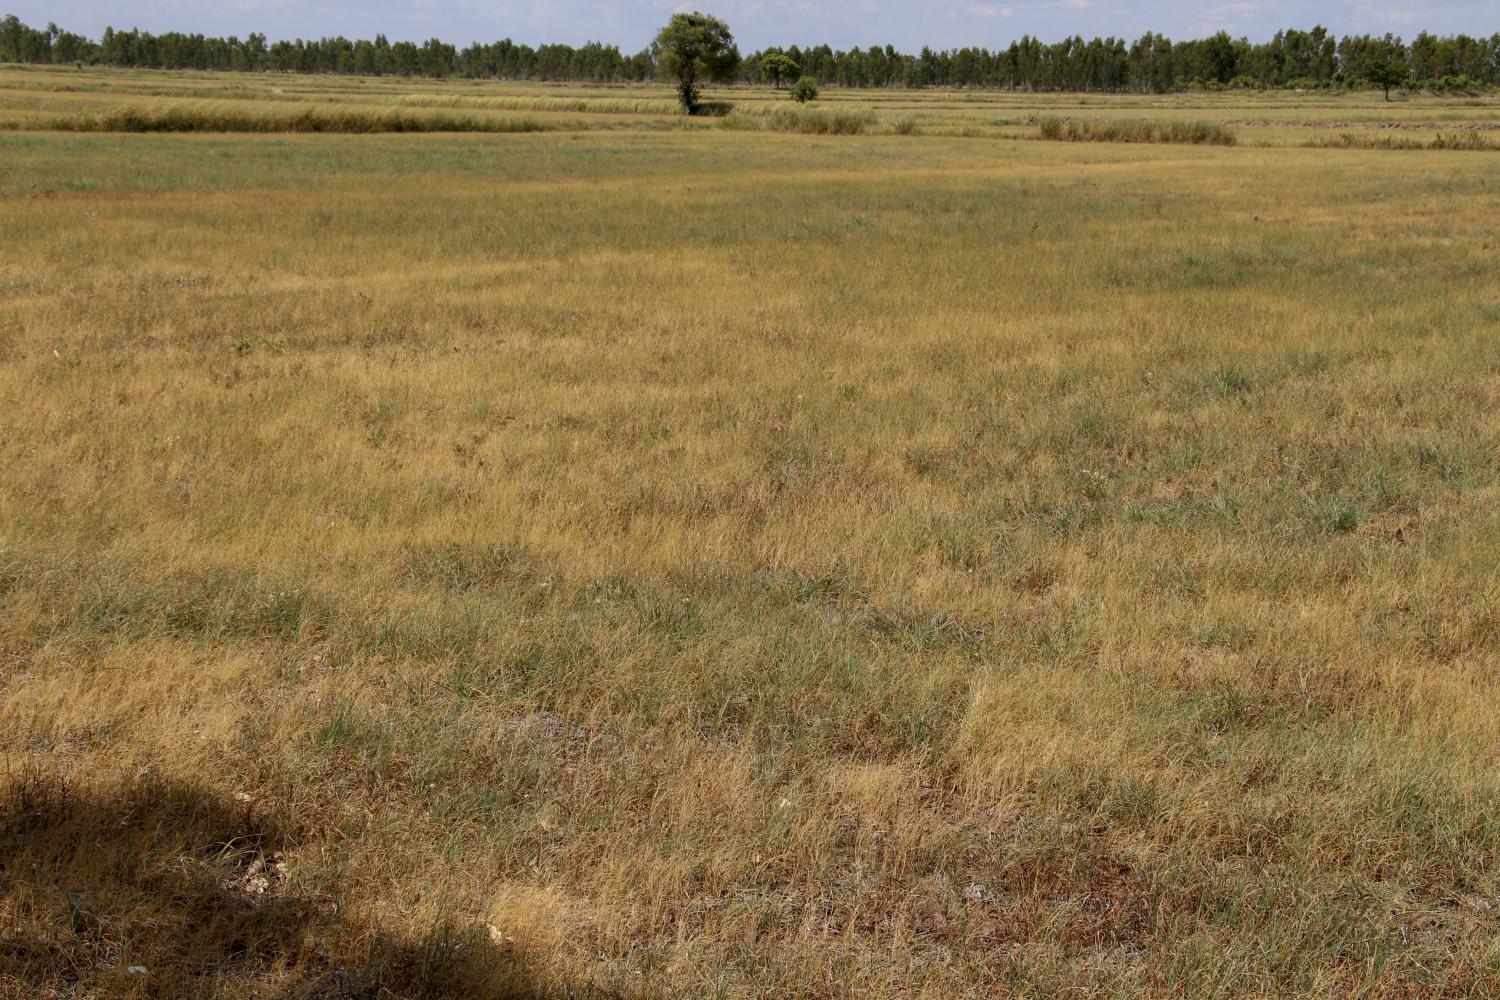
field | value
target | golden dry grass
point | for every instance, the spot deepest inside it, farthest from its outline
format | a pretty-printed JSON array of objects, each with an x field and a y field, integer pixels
[
  {"x": 45, "y": 97},
  {"x": 743, "y": 564}
]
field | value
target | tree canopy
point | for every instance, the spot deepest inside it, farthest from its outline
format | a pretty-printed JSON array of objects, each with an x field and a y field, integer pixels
[
  {"x": 1152, "y": 63},
  {"x": 1387, "y": 73},
  {"x": 693, "y": 48},
  {"x": 778, "y": 68},
  {"x": 805, "y": 89}
]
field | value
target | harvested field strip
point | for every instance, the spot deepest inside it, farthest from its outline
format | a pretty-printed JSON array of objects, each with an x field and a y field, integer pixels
[
  {"x": 206, "y": 120},
  {"x": 1469, "y": 141},
  {"x": 1400, "y": 126}
]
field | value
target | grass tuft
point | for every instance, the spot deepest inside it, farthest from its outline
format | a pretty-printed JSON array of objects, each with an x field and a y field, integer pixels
[
  {"x": 817, "y": 121},
  {"x": 1195, "y": 133}
]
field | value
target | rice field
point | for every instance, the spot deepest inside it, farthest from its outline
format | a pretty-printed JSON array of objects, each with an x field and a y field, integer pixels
[{"x": 653, "y": 557}]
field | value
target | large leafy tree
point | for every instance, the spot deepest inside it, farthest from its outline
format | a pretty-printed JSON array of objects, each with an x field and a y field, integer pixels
[{"x": 693, "y": 48}]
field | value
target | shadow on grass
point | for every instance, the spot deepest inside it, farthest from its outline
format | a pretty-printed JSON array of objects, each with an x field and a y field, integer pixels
[{"x": 158, "y": 889}]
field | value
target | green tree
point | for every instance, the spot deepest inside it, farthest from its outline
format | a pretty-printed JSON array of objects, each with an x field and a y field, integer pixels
[
  {"x": 804, "y": 90},
  {"x": 779, "y": 68},
  {"x": 11, "y": 30},
  {"x": 1387, "y": 73},
  {"x": 692, "y": 48}
]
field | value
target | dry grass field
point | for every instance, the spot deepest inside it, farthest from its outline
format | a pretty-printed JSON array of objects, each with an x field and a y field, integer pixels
[{"x": 647, "y": 558}]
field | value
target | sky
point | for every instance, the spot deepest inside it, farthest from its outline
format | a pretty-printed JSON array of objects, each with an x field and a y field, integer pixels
[{"x": 759, "y": 23}]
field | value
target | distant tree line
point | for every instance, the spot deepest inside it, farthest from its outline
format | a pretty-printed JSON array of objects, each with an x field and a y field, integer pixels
[
  {"x": 1154, "y": 63},
  {"x": 1151, "y": 63}
]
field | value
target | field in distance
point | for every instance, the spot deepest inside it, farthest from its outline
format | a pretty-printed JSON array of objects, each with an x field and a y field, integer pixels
[
  {"x": 57, "y": 98},
  {"x": 641, "y": 557}
]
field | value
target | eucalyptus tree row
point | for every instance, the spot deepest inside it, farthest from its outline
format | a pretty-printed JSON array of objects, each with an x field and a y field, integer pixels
[{"x": 1152, "y": 63}]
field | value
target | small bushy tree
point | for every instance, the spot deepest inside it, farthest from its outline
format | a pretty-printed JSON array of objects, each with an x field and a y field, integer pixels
[
  {"x": 1387, "y": 73},
  {"x": 692, "y": 48},
  {"x": 804, "y": 90}
]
